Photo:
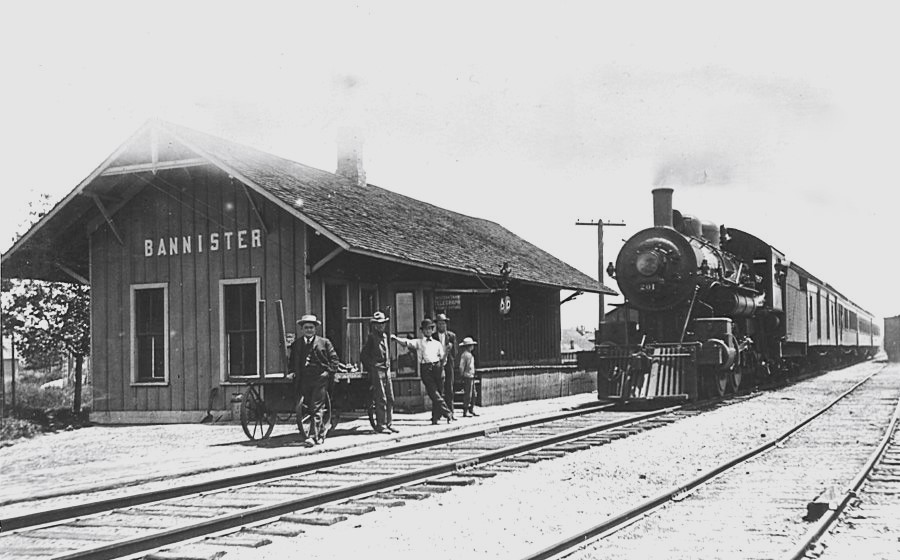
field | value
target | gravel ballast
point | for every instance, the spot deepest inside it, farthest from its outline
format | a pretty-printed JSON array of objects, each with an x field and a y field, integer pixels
[{"x": 520, "y": 511}]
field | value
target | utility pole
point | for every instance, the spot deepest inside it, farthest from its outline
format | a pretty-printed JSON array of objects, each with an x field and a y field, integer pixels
[{"x": 600, "y": 269}]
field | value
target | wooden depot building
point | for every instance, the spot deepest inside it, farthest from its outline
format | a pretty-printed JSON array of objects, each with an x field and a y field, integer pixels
[{"x": 201, "y": 254}]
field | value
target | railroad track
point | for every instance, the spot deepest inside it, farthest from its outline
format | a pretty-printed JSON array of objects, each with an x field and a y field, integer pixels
[
  {"x": 283, "y": 501},
  {"x": 752, "y": 505},
  {"x": 862, "y": 519}
]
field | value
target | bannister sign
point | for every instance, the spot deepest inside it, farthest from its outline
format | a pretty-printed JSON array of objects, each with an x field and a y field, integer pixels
[{"x": 187, "y": 244}]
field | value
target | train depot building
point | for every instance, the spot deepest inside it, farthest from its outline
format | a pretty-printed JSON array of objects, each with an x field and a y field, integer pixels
[{"x": 202, "y": 253}]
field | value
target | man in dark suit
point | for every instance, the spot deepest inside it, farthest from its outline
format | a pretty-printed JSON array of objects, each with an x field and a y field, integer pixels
[
  {"x": 376, "y": 360},
  {"x": 312, "y": 360},
  {"x": 448, "y": 339}
]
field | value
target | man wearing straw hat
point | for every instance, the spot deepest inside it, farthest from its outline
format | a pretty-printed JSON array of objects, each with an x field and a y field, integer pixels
[
  {"x": 377, "y": 361},
  {"x": 313, "y": 359}
]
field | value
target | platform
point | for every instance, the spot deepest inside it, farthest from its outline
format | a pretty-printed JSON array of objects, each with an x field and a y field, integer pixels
[{"x": 102, "y": 461}]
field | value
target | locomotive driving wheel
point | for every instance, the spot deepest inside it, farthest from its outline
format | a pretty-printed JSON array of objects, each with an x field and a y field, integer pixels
[
  {"x": 721, "y": 379},
  {"x": 736, "y": 376},
  {"x": 748, "y": 365},
  {"x": 714, "y": 382}
]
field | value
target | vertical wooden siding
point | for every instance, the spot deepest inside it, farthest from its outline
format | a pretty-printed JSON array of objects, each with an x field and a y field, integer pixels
[
  {"x": 178, "y": 204},
  {"x": 528, "y": 334}
]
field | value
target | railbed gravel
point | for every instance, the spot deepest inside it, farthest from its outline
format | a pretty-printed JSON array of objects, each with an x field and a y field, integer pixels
[{"x": 521, "y": 511}]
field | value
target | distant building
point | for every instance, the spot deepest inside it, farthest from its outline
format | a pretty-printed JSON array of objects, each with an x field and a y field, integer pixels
[{"x": 201, "y": 254}]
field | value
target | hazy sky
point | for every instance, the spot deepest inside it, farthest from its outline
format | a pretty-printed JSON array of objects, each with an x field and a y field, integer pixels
[{"x": 778, "y": 118}]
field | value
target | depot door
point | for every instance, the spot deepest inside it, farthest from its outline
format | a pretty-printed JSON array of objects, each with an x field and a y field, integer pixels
[{"x": 336, "y": 298}]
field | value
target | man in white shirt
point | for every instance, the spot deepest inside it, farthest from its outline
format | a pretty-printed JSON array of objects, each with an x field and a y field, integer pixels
[
  {"x": 430, "y": 353},
  {"x": 448, "y": 339}
]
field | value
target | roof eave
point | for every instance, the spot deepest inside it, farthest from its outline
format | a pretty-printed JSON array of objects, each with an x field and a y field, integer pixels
[
  {"x": 79, "y": 189},
  {"x": 600, "y": 289}
]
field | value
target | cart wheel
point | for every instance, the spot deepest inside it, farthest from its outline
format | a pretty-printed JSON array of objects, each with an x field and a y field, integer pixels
[
  {"x": 256, "y": 419},
  {"x": 372, "y": 419},
  {"x": 303, "y": 416}
]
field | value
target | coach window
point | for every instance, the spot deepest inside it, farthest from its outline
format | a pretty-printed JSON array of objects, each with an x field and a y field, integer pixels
[
  {"x": 149, "y": 325},
  {"x": 818, "y": 315},
  {"x": 239, "y": 322}
]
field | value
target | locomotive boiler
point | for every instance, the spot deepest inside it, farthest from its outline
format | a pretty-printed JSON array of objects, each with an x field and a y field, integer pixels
[{"x": 708, "y": 309}]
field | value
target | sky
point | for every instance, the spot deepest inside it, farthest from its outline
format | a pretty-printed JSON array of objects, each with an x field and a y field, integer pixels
[{"x": 780, "y": 119}]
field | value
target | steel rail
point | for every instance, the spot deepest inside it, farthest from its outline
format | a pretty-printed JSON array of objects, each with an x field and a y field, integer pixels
[
  {"x": 152, "y": 541},
  {"x": 35, "y": 519},
  {"x": 826, "y": 521},
  {"x": 617, "y": 521}
]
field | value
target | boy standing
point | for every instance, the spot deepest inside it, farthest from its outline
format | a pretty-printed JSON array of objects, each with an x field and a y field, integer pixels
[{"x": 467, "y": 372}]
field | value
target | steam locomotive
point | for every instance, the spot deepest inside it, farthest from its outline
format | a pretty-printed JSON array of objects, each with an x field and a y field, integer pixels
[{"x": 709, "y": 310}]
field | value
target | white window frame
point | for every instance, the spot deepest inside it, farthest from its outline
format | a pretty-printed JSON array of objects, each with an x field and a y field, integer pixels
[
  {"x": 133, "y": 353},
  {"x": 223, "y": 358}
]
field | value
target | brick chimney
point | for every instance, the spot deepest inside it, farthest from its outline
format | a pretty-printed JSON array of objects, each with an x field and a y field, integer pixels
[{"x": 349, "y": 156}]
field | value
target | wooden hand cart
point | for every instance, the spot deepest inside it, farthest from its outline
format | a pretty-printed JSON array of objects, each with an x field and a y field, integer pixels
[{"x": 267, "y": 401}]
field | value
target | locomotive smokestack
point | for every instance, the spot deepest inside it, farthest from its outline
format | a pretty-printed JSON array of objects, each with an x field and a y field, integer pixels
[{"x": 662, "y": 207}]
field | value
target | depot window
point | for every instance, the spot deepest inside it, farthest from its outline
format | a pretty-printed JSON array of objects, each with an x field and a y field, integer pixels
[
  {"x": 239, "y": 304},
  {"x": 149, "y": 325}
]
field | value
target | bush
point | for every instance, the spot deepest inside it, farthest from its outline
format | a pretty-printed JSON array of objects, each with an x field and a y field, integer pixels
[
  {"x": 46, "y": 410},
  {"x": 14, "y": 428},
  {"x": 31, "y": 396}
]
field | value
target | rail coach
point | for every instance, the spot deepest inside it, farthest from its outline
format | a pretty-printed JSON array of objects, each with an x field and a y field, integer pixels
[{"x": 709, "y": 310}]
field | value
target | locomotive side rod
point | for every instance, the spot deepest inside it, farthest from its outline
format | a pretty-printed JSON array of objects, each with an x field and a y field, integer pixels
[{"x": 687, "y": 319}]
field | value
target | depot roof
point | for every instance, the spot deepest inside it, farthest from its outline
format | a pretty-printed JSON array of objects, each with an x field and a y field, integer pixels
[{"x": 364, "y": 219}]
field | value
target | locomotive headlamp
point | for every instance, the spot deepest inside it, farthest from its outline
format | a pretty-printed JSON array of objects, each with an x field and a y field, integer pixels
[{"x": 648, "y": 263}]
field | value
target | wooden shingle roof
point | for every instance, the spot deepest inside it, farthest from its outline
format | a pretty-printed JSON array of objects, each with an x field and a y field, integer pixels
[
  {"x": 378, "y": 222},
  {"x": 367, "y": 219}
]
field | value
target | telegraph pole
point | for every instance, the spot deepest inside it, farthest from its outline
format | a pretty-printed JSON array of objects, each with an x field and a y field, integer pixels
[{"x": 600, "y": 269}]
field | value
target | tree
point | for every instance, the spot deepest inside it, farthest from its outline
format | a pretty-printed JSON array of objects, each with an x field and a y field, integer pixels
[{"x": 49, "y": 318}]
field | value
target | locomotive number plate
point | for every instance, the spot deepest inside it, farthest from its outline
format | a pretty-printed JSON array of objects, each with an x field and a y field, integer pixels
[{"x": 649, "y": 287}]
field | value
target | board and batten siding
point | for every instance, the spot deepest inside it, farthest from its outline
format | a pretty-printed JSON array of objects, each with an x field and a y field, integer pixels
[
  {"x": 528, "y": 335},
  {"x": 173, "y": 205}
]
